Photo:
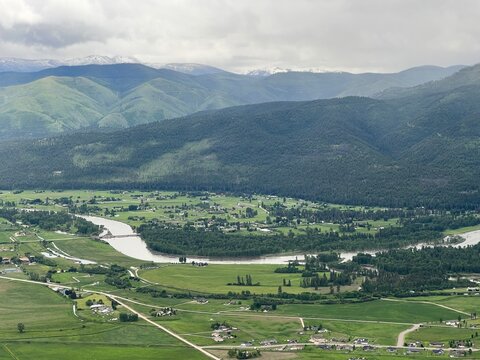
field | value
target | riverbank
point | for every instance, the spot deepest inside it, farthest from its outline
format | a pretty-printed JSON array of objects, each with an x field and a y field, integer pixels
[{"x": 123, "y": 239}]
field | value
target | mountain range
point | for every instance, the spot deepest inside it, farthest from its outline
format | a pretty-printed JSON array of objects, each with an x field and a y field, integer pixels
[
  {"x": 114, "y": 96},
  {"x": 406, "y": 147}
]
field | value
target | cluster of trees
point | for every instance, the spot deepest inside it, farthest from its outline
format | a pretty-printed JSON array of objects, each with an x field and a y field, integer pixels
[
  {"x": 244, "y": 354},
  {"x": 334, "y": 278},
  {"x": 291, "y": 268},
  {"x": 127, "y": 317},
  {"x": 440, "y": 259},
  {"x": 430, "y": 268},
  {"x": 116, "y": 275},
  {"x": 173, "y": 240},
  {"x": 50, "y": 220},
  {"x": 264, "y": 304},
  {"x": 216, "y": 325},
  {"x": 441, "y": 223},
  {"x": 245, "y": 282},
  {"x": 337, "y": 215}
]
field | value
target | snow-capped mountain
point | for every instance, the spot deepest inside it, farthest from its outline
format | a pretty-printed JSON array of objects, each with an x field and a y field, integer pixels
[
  {"x": 189, "y": 68},
  {"x": 100, "y": 60},
  {"x": 278, "y": 70},
  {"x": 31, "y": 65},
  {"x": 267, "y": 71},
  {"x": 26, "y": 65}
]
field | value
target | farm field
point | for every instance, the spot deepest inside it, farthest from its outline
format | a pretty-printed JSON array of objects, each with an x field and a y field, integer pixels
[
  {"x": 216, "y": 277},
  {"x": 464, "y": 303},
  {"x": 50, "y": 327},
  {"x": 93, "y": 351},
  {"x": 379, "y": 310}
]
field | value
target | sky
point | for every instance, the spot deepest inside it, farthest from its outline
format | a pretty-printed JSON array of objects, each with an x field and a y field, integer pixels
[{"x": 240, "y": 35}]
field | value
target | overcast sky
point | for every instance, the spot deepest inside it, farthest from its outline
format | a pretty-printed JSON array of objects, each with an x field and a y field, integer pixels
[{"x": 237, "y": 35}]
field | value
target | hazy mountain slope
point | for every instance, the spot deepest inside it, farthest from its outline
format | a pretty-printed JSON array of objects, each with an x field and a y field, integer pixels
[
  {"x": 52, "y": 105},
  {"x": 310, "y": 86},
  {"x": 32, "y": 65},
  {"x": 131, "y": 94},
  {"x": 464, "y": 77},
  {"x": 120, "y": 77}
]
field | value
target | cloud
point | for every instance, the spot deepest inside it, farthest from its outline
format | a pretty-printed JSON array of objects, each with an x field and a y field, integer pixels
[
  {"x": 48, "y": 35},
  {"x": 367, "y": 35}
]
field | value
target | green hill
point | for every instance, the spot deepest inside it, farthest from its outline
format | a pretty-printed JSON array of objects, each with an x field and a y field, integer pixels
[{"x": 62, "y": 99}]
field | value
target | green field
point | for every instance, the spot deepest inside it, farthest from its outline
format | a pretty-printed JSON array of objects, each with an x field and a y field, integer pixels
[
  {"x": 469, "y": 304},
  {"x": 442, "y": 334},
  {"x": 51, "y": 328},
  {"x": 216, "y": 277},
  {"x": 98, "y": 251},
  {"x": 379, "y": 310},
  {"x": 82, "y": 351}
]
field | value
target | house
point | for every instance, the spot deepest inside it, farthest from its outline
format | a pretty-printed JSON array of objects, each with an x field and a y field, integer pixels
[
  {"x": 317, "y": 339},
  {"x": 452, "y": 323},
  {"x": 415, "y": 344},
  {"x": 268, "y": 342},
  {"x": 101, "y": 309},
  {"x": 360, "y": 341},
  {"x": 457, "y": 353},
  {"x": 437, "y": 344},
  {"x": 200, "y": 300},
  {"x": 24, "y": 260},
  {"x": 437, "y": 351},
  {"x": 324, "y": 346},
  {"x": 168, "y": 311},
  {"x": 217, "y": 338},
  {"x": 6, "y": 261}
]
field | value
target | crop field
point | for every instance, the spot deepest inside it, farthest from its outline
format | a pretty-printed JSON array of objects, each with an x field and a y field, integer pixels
[
  {"x": 92, "y": 351},
  {"x": 408, "y": 313},
  {"x": 51, "y": 328},
  {"x": 383, "y": 334},
  {"x": 469, "y": 304},
  {"x": 216, "y": 277},
  {"x": 442, "y": 334}
]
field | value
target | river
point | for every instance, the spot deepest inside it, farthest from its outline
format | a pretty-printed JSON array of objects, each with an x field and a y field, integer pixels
[{"x": 130, "y": 244}]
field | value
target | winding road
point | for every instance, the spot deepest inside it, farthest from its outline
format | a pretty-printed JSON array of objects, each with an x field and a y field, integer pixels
[{"x": 401, "y": 336}]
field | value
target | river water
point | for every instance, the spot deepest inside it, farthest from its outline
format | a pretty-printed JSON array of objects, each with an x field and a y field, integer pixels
[{"x": 130, "y": 244}]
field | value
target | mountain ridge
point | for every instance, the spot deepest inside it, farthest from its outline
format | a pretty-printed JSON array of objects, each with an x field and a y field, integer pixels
[{"x": 143, "y": 94}]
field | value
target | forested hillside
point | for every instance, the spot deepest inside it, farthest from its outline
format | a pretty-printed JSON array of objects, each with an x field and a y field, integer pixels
[{"x": 69, "y": 98}]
